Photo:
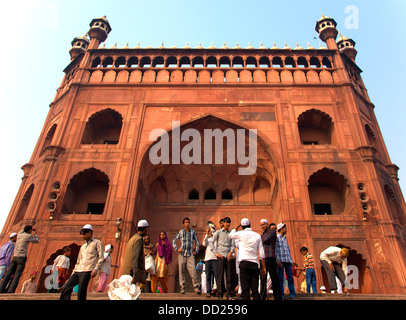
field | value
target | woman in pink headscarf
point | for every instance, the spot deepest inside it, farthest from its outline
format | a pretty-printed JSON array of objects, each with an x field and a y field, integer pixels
[{"x": 162, "y": 259}]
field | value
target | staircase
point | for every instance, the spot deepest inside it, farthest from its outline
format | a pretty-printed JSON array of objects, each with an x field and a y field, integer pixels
[{"x": 193, "y": 296}]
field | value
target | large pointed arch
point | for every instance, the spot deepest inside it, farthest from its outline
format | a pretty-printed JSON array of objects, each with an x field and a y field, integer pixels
[
  {"x": 265, "y": 142},
  {"x": 181, "y": 178}
]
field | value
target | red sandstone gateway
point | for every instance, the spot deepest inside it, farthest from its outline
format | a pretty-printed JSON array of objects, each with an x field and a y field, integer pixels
[{"x": 322, "y": 165}]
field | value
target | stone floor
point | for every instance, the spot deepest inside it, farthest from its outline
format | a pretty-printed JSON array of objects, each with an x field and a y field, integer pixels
[{"x": 193, "y": 296}]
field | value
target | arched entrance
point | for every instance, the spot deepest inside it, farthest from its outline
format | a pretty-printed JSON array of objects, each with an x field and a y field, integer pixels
[
  {"x": 43, "y": 282},
  {"x": 359, "y": 278},
  {"x": 201, "y": 179}
]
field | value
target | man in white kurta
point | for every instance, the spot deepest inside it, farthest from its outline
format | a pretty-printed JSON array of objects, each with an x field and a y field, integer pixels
[{"x": 250, "y": 252}]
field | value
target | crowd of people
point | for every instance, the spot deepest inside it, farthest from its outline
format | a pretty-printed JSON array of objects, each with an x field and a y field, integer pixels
[{"x": 237, "y": 261}]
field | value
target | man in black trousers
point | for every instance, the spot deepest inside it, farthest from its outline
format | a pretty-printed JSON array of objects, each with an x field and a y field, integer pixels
[
  {"x": 250, "y": 256},
  {"x": 269, "y": 243},
  {"x": 88, "y": 264},
  {"x": 17, "y": 265}
]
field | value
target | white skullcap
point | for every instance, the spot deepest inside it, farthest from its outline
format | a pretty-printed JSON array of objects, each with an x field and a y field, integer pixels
[
  {"x": 142, "y": 224},
  {"x": 263, "y": 221},
  {"x": 13, "y": 235},
  {"x": 280, "y": 226},
  {"x": 88, "y": 226},
  {"x": 245, "y": 222}
]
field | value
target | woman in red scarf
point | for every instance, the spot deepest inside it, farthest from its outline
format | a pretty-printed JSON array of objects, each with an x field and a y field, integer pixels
[{"x": 162, "y": 259}]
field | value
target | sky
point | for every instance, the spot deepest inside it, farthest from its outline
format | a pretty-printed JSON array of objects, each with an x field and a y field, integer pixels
[{"x": 36, "y": 37}]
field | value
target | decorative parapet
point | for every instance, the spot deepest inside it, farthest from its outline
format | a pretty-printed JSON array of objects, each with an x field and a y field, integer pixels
[{"x": 207, "y": 66}]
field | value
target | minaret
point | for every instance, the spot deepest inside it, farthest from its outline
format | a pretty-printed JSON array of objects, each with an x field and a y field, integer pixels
[
  {"x": 99, "y": 30},
  {"x": 326, "y": 28},
  {"x": 346, "y": 45},
  {"x": 79, "y": 44}
]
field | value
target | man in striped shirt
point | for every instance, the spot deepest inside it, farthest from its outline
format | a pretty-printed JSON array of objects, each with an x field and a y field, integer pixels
[
  {"x": 186, "y": 254},
  {"x": 309, "y": 268}
]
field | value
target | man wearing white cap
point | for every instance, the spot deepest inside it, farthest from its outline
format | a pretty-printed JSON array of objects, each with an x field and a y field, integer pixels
[
  {"x": 6, "y": 252},
  {"x": 250, "y": 250},
  {"x": 88, "y": 264},
  {"x": 284, "y": 261},
  {"x": 134, "y": 258}
]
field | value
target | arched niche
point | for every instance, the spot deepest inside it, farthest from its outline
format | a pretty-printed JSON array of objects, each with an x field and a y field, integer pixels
[
  {"x": 86, "y": 193},
  {"x": 103, "y": 127}
]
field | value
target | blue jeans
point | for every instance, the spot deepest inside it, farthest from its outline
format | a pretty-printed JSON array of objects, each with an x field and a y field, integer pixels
[
  {"x": 311, "y": 280},
  {"x": 286, "y": 268},
  {"x": 3, "y": 269}
]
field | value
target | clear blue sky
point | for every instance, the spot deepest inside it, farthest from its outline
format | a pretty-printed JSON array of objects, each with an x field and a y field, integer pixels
[{"x": 36, "y": 38}]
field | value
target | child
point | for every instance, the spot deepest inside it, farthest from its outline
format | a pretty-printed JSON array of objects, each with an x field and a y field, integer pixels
[
  {"x": 105, "y": 268},
  {"x": 60, "y": 268},
  {"x": 309, "y": 268},
  {"x": 30, "y": 284},
  {"x": 149, "y": 252}
]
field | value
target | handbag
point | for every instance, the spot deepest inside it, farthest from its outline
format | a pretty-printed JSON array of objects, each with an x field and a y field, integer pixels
[{"x": 150, "y": 264}]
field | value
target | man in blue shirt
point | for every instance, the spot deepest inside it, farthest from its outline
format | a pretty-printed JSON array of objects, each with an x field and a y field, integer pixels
[
  {"x": 223, "y": 247},
  {"x": 186, "y": 254},
  {"x": 284, "y": 261},
  {"x": 6, "y": 252}
]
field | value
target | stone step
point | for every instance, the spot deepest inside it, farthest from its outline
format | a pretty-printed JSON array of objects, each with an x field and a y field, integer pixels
[{"x": 193, "y": 296}]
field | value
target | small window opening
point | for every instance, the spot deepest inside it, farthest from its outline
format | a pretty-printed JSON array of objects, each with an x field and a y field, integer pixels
[
  {"x": 314, "y": 62},
  {"x": 277, "y": 62},
  {"x": 132, "y": 62},
  {"x": 145, "y": 62},
  {"x": 198, "y": 62},
  {"x": 210, "y": 195},
  {"x": 95, "y": 208},
  {"x": 264, "y": 62},
  {"x": 193, "y": 195},
  {"x": 171, "y": 62},
  {"x": 238, "y": 62},
  {"x": 322, "y": 209},
  {"x": 251, "y": 62},
  {"x": 225, "y": 62},
  {"x": 326, "y": 63},
  {"x": 211, "y": 62},
  {"x": 290, "y": 63},
  {"x": 227, "y": 195}
]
